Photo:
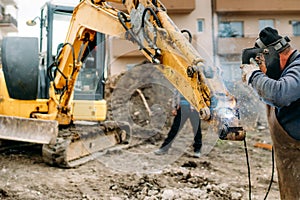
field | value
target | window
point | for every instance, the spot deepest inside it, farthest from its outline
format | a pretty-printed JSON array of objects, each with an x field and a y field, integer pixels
[
  {"x": 296, "y": 28},
  {"x": 266, "y": 23},
  {"x": 61, "y": 22},
  {"x": 200, "y": 25},
  {"x": 231, "y": 29}
]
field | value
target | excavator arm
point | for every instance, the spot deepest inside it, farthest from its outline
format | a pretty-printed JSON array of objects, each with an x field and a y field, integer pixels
[{"x": 146, "y": 24}]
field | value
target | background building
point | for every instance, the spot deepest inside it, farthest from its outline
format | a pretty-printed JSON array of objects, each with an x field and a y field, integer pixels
[{"x": 8, "y": 17}]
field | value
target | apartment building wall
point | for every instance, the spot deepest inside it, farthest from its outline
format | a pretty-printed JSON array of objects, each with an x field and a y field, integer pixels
[{"x": 202, "y": 40}]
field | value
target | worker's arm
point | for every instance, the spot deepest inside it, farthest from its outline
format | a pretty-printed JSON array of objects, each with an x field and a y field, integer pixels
[{"x": 280, "y": 92}]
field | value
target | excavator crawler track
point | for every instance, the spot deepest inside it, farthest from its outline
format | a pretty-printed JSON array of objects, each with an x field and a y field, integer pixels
[{"x": 82, "y": 142}]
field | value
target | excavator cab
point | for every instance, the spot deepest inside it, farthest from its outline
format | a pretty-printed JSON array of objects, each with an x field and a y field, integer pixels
[{"x": 54, "y": 24}]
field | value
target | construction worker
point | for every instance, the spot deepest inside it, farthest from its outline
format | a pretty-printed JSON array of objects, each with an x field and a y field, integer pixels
[
  {"x": 182, "y": 110},
  {"x": 282, "y": 97}
]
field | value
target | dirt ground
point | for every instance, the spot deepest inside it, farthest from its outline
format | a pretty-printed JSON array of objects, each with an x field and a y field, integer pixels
[
  {"x": 220, "y": 174},
  {"x": 133, "y": 171}
]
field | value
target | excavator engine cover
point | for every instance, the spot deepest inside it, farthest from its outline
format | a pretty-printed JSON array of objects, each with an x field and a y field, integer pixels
[{"x": 20, "y": 62}]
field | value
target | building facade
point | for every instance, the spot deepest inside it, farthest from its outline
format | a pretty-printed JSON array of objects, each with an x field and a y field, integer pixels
[{"x": 8, "y": 17}]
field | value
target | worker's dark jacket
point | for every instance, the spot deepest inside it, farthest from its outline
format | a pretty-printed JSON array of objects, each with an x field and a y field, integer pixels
[
  {"x": 283, "y": 111},
  {"x": 283, "y": 94}
]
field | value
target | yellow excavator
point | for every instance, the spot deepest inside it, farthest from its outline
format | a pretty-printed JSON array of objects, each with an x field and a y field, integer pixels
[{"x": 33, "y": 106}]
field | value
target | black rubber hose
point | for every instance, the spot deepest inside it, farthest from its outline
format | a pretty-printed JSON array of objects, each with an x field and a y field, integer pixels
[
  {"x": 189, "y": 33},
  {"x": 123, "y": 18},
  {"x": 153, "y": 14}
]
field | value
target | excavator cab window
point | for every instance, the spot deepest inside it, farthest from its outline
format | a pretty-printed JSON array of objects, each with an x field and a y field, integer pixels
[
  {"x": 55, "y": 20},
  {"x": 90, "y": 81}
]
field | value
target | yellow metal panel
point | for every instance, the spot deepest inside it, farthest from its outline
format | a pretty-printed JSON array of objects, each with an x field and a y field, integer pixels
[
  {"x": 89, "y": 110},
  {"x": 23, "y": 108},
  {"x": 19, "y": 108}
]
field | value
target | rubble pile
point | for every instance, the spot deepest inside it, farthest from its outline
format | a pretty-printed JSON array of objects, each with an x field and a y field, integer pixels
[
  {"x": 142, "y": 98},
  {"x": 177, "y": 183}
]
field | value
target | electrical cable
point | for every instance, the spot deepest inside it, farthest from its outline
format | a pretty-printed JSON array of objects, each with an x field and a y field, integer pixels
[
  {"x": 248, "y": 165},
  {"x": 249, "y": 173},
  {"x": 271, "y": 181}
]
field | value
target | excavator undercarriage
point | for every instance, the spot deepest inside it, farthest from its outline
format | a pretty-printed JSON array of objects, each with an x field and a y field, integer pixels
[{"x": 82, "y": 142}]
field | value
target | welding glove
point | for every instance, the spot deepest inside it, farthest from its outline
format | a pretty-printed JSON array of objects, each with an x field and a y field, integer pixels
[
  {"x": 248, "y": 70},
  {"x": 261, "y": 61}
]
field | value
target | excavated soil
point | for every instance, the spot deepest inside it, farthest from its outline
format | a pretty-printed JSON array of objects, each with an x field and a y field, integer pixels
[{"x": 132, "y": 171}]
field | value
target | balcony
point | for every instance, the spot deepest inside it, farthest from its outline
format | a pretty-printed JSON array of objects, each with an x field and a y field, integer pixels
[
  {"x": 8, "y": 24},
  {"x": 173, "y": 6},
  {"x": 9, "y": 2},
  {"x": 270, "y": 6},
  {"x": 234, "y": 46}
]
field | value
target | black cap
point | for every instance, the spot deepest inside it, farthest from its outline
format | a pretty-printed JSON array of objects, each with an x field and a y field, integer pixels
[{"x": 270, "y": 37}]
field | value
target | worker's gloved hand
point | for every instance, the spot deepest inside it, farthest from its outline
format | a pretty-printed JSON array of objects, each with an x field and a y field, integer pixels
[
  {"x": 248, "y": 69},
  {"x": 261, "y": 61}
]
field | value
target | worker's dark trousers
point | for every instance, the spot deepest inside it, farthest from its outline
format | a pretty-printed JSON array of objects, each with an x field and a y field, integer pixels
[{"x": 183, "y": 114}]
